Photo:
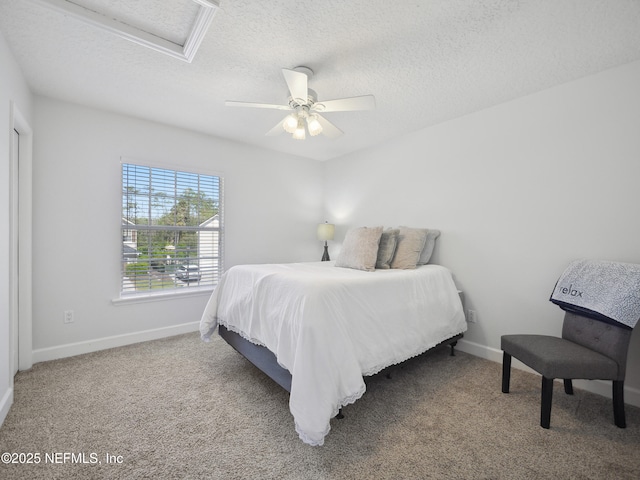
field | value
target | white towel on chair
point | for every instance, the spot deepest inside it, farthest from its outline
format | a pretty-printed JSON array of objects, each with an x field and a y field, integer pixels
[{"x": 600, "y": 289}]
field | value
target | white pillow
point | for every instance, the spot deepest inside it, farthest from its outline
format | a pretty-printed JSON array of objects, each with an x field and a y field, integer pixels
[
  {"x": 410, "y": 244},
  {"x": 360, "y": 248}
]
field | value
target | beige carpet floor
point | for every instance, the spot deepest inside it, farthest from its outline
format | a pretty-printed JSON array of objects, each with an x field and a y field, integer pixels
[{"x": 178, "y": 408}]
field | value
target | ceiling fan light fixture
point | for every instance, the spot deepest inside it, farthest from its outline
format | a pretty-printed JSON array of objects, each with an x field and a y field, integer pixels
[
  {"x": 305, "y": 113},
  {"x": 314, "y": 126},
  {"x": 290, "y": 123}
]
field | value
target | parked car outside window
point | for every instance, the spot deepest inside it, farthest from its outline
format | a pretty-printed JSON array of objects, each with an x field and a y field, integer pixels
[{"x": 188, "y": 273}]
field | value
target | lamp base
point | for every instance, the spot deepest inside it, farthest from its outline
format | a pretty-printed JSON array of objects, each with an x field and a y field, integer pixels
[{"x": 325, "y": 255}]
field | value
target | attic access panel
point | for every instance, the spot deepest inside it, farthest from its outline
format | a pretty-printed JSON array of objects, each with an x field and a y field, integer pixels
[{"x": 174, "y": 27}]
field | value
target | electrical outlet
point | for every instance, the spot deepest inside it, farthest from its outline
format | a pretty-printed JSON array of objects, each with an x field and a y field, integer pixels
[
  {"x": 68, "y": 316},
  {"x": 471, "y": 316}
]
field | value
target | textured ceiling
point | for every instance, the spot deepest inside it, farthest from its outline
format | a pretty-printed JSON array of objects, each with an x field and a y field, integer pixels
[{"x": 426, "y": 61}]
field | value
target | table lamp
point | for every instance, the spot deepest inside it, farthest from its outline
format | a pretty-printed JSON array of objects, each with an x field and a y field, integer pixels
[{"x": 325, "y": 232}]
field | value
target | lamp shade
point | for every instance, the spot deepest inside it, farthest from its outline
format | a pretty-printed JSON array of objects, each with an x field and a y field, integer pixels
[{"x": 326, "y": 231}]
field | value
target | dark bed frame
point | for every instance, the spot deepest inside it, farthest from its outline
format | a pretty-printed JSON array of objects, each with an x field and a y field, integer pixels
[{"x": 266, "y": 360}]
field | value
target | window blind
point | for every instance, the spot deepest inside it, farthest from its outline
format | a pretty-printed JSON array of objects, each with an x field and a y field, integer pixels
[{"x": 172, "y": 229}]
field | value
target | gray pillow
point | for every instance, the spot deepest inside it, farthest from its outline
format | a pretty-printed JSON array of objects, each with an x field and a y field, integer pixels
[
  {"x": 432, "y": 234},
  {"x": 410, "y": 244},
  {"x": 387, "y": 248},
  {"x": 360, "y": 248}
]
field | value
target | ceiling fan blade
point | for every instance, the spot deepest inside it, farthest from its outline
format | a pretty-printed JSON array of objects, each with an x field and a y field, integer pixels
[
  {"x": 364, "y": 102},
  {"x": 297, "y": 83},
  {"x": 277, "y": 130},
  {"x": 328, "y": 128},
  {"x": 231, "y": 103}
]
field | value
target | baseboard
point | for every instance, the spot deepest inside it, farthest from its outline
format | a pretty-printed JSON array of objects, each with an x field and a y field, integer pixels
[
  {"x": 5, "y": 404},
  {"x": 72, "y": 349},
  {"x": 599, "y": 387}
]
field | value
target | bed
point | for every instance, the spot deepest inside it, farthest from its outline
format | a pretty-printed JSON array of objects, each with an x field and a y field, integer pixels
[{"x": 318, "y": 329}]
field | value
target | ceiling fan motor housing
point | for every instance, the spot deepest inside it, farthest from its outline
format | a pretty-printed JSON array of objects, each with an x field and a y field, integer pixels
[{"x": 312, "y": 98}]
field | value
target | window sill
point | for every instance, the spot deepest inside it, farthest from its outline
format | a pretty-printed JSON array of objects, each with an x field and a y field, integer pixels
[{"x": 155, "y": 297}]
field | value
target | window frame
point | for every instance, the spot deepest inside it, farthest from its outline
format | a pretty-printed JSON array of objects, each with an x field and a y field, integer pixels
[{"x": 217, "y": 267}]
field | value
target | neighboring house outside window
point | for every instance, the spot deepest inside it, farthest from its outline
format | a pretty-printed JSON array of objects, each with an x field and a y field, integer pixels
[{"x": 171, "y": 230}]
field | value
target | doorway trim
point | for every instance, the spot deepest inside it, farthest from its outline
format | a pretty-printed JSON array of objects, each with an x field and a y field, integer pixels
[{"x": 21, "y": 178}]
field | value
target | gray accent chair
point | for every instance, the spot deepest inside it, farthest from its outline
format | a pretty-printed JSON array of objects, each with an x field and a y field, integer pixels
[{"x": 589, "y": 349}]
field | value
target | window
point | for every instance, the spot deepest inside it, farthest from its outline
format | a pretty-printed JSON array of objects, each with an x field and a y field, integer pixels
[{"x": 171, "y": 230}]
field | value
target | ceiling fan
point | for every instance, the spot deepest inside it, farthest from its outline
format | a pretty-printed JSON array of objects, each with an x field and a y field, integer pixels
[{"x": 305, "y": 108}]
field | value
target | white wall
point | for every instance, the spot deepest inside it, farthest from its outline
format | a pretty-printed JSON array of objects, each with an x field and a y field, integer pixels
[
  {"x": 13, "y": 88},
  {"x": 518, "y": 190},
  {"x": 272, "y": 205}
]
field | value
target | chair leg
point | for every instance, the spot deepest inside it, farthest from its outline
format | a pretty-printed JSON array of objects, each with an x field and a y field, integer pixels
[
  {"x": 506, "y": 372},
  {"x": 545, "y": 407},
  {"x": 568, "y": 386},
  {"x": 618, "y": 404}
]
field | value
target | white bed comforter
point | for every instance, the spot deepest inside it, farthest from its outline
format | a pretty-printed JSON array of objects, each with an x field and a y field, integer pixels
[{"x": 331, "y": 326}]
